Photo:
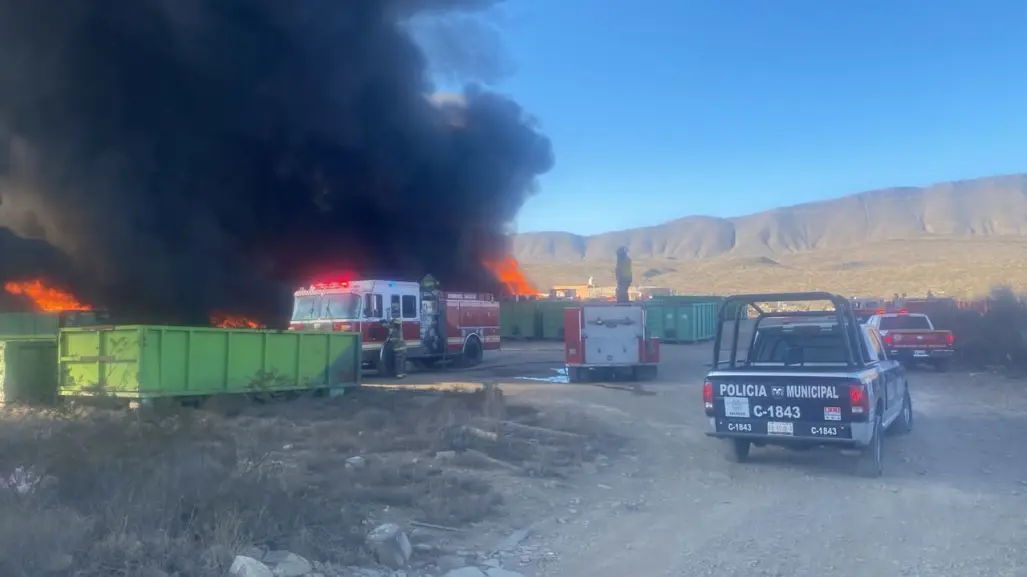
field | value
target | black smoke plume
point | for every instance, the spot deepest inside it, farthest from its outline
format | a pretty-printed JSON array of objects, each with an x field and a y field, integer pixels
[{"x": 167, "y": 159}]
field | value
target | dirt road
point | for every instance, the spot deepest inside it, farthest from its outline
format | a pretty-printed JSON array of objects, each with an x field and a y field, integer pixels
[{"x": 953, "y": 500}]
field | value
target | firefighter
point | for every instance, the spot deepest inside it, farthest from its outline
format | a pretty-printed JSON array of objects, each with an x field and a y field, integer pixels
[
  {"x": 623, "y": 274},
  {"x": 396, "y": 343},
  {"x": 429, "y": 283}
]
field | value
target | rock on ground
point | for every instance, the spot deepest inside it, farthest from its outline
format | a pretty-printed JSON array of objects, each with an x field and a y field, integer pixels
[
  {"x": 497, "y": 572},
  {"x": 287, "y": 564},
  {"x": 390, "y": 545},
  {"x": 465, "y": 572},
  {"x": 450, "y": 562},
  {"x": 244, "y": 566}
]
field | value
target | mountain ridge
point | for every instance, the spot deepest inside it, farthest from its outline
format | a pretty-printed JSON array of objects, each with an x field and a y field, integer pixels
[{"x": 988, "y": 206}]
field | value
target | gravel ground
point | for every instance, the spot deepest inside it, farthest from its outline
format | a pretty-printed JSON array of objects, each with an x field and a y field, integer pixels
[{"x": 952, "y": 502}]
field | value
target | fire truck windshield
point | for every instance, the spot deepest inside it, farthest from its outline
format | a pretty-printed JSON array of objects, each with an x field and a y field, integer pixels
[
  {"x": 306, "y": 308},
  {"x": 340, "y": 306},
  {"x": 327, "y": 307}
]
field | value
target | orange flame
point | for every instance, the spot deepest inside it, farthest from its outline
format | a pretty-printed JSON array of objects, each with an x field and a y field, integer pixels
[
  {"x": 46, "y": 299},
  {"x": 508, "y": 272},
  {"x": 227, "y": 321}
]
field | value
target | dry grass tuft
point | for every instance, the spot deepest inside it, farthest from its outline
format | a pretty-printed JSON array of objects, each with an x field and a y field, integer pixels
[{"x": 124, "y": 493}]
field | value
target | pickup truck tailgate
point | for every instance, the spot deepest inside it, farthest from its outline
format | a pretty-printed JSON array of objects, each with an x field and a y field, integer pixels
[
  {"x": 918, "y": 339},
  {"x": 788, "y": 404}
]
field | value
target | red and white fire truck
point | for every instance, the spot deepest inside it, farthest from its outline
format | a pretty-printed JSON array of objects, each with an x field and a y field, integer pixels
[{"x": 438, "y": 326}]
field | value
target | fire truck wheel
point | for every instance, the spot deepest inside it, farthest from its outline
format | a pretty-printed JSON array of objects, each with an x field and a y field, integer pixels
[
  {"x": 644, "y": 372},
  {"x": 577, "y": 374},
  {"x": 472, "y": 352}
]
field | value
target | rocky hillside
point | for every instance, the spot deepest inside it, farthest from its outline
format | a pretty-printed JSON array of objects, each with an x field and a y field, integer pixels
[{"x": 995, "y": 206}]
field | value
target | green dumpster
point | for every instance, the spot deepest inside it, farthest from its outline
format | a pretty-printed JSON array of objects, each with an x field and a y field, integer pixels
[
  {"x": 681, "y": 320},
  {"x": 28, "y": 325},
  {"x": 655, "y": 321},
  {"x": 696, "y": 321},
  {"x": 45, "y": 325},
  {"x": 685, "y": 299},
  {"x": 147, "y": 362},
  {"x": 519, "y": 319},
  {"x": 551, "y": 317},
  {"x": 28, "y": 371}
]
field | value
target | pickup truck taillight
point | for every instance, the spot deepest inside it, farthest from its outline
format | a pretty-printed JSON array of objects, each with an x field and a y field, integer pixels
[
  {"x": 887, "y": 340},
  {"x": 858, "y": 400},
  {"x": 707, "y": 397},
  {"x": 950, "y": 338}
]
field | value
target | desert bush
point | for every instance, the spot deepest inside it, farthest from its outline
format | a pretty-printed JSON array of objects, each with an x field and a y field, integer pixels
[
  {"x": 112, "y": 494},
  {"x": 122, "y": 493},
  {"x": 93, "y": 493},
  {"x": 997, "y": 337}
]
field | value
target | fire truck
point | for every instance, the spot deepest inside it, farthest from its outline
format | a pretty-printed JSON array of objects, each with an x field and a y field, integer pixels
[{"x": 439, "y": 327}]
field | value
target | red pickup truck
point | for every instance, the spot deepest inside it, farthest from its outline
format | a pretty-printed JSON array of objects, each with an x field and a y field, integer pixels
[{"x": 911, "y": 338}]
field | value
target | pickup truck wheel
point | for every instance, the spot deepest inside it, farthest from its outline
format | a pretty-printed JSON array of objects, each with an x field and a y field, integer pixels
[
  {"x": 740, "y": 450},
  {"x": 941, "y": 365},
  {"x": 905, "y": 420},
  {"x": 869, "y": 463}
]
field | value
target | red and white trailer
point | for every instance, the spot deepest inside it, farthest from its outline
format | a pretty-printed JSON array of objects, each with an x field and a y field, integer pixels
[{"x": 609, "y": 338}]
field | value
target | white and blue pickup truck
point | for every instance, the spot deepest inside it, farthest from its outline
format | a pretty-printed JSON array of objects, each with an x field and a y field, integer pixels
[{"x": 801, "y": 379}]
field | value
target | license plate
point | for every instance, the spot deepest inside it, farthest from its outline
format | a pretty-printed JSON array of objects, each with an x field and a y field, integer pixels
[
  {"x": 779, "y": 428},
  {"x": 919, "y": 353},
  {"x": 823, "y": 431},
  {"x": 736, "y": 407}
]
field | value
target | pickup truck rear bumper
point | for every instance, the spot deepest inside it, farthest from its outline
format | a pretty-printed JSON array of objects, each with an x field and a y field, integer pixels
[
  {"x": 909, "y": 354},
  {"x": 862, "y": 434}
]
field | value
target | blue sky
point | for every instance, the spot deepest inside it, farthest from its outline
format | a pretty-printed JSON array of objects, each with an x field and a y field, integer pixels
[{"x": 666, "y": 108}]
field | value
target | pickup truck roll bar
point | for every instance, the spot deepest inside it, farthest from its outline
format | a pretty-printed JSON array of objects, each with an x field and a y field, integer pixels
[{"x": 731, "y": 309}]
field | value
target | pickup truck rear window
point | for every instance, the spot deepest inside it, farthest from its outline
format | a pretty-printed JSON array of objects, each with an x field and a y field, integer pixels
[
  {"x": 904, "y": 323},
  {"x": 798, "y": 347}
]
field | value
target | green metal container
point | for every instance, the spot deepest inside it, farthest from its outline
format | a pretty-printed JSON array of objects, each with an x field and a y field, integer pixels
[
  {"x": 147, "y": 362},
  {"x": 45, "y": 325},
  {"x": 681, "y": 322},
  {"x": 519, "y": 320},
  {"x": 697, "y": 321},
  {"x": 551, "y": 317},
  {"x": 655, "y": 319},
  {"x": 28, "y": 371},
  {"x": 685, "y": 299},
  {"x": 29, "y": 325}
]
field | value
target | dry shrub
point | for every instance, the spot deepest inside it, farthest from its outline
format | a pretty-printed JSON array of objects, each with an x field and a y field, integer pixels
[
  {"x": 998, "y": 337},
  {"x": 131, "y": 495},
  {"x": 1004, "y": 329},
  {"x": 123, "y": 493}
]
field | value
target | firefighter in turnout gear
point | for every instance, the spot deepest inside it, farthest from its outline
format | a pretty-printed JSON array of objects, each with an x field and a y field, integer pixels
[
  {"x": 623, "y": 274},
  {"x": 429, "y": 283},
  {"x": 396, "y": 343}
]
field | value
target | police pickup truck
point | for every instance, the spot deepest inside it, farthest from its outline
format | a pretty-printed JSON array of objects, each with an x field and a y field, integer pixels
[{"x": 803, "y": 378}]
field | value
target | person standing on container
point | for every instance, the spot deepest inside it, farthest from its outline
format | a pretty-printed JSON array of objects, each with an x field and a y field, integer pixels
[
  {"x": 395, "y": 342},
  {"x": 623, "y": 273},
  {"x": 428, "y": 283}
]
